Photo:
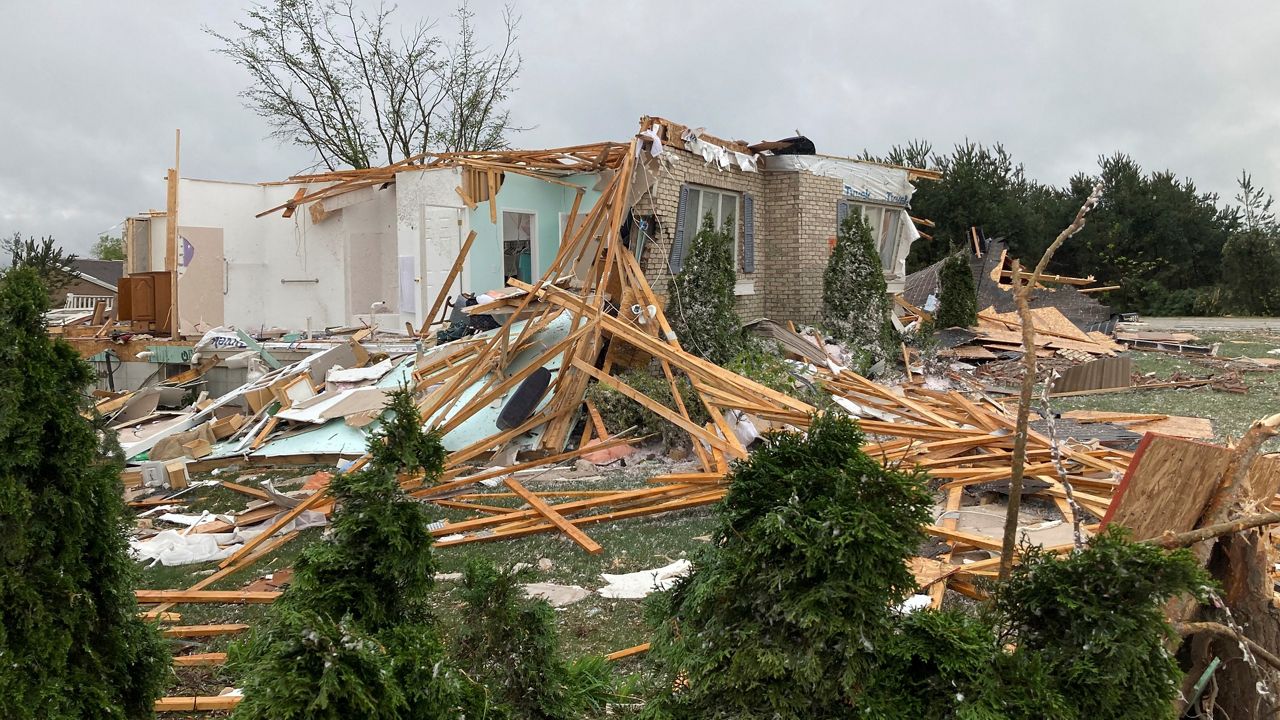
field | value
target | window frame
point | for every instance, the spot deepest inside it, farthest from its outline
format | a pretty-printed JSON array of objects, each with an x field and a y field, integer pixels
[
  {"x": 878, "y": 228},
  {"x": 697, "y": 216}
]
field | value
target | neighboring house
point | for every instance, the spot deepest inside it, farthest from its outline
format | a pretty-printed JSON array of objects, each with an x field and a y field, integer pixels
[
  {"x": 87, "y": 282},
  {"x": 381, "y": 250},
  {"x": 786, "y": 203}
]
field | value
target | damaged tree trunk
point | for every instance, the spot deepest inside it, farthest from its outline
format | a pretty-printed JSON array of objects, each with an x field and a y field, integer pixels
[
  {"x": 1023, "y": 287},
  {"x": 1248, "y": 684}
]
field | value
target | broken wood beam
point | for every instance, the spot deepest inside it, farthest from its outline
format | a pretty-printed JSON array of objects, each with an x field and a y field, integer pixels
[{"x": 568, "y": 528}]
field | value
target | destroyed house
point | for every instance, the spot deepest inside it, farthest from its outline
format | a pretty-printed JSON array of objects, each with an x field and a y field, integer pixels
[
  {"x": 379, "y": 245},
  {"x": 363, "y": 252}
]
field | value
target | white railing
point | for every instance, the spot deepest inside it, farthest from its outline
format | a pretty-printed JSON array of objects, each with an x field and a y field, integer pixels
[{"x": 87, "y": 302}]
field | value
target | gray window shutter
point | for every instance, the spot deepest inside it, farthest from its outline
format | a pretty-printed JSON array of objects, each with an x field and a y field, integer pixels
[
  {"x": 748, "y": 234},
  {"x": 676, "y": 262},
  {"x": 842, "y": 212}
]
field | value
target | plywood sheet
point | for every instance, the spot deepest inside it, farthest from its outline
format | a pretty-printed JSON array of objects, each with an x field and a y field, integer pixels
[{"x": 1171, "y": 480}]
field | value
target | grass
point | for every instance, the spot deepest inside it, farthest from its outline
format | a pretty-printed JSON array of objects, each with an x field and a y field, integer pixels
[
  {"x": 593, "y": 626},
  {"x": 1231, "y": 413}
]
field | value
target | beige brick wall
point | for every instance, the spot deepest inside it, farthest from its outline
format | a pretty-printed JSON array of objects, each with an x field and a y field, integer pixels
[
  {"x": 795, "y": 220},
  {"x": 664, "y": 201}
]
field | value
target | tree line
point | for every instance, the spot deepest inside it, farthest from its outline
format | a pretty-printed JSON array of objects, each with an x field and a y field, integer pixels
[{"x": 1172, "y": 248}]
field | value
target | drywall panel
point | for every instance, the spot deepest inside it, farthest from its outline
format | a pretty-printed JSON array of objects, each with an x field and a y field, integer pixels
[{"x": 201, "y": 279}]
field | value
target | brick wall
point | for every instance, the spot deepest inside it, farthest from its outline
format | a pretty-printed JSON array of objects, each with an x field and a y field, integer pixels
[
  {"x": 663, "y": 201},
  {"x": 795, "y": 220}
]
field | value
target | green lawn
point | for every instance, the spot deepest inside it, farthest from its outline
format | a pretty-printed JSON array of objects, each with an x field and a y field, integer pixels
[
  {"x": 1231, "y": 413},
  {"x": 595, "y": 625}
]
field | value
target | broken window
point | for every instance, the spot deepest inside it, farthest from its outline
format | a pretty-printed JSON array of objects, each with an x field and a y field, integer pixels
[
  {"x": 884, "y": 223},
  {"x": 517, "y": 244}
]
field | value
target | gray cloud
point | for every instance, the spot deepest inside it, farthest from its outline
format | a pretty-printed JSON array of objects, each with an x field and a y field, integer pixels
[{"x": 93, "y": 91}]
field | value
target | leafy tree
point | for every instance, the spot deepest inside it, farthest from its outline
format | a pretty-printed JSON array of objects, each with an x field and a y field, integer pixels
[
  {"x": 108, "y": 248},
  {"x": 360, "y": 91},
  {"x": 958, "y": 304},
  {"x": 510, "y": 644},
  {"x": 1251, "y": 256},
  {"x": 71, "y": 644},
  {"x": 353, "y": 635},
  {"x": 855, "y": 300},
  {"x": 783, "y": 617},
  {"x": 703, "y": 315}
]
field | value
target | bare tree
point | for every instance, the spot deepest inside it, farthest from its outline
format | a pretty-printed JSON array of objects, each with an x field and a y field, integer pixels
[{"x": 359, "y": 91}]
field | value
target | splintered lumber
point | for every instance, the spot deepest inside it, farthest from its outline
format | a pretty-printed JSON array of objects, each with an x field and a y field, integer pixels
[
  {"x": 537, "y": 503},
  {"x": 285, "y": 519},
  {"x": 662, "y": 410},
  {"x": 219, "y": 597},
  {"x": 200, "y": 631}
]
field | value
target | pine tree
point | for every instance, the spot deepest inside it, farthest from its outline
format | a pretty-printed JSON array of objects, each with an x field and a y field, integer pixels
[
  {"x": 958, "y": 304},
  {"x": 1251, "y": 255},
  {"x": 71, "y": 644},
  {"x": 855, "y": 300},
  {"x": 782, "y": 617},
  {"x": 353, "y": 635},
  {"x": 701, "y": 296}
]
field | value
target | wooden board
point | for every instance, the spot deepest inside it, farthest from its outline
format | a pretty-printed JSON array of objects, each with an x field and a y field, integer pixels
[
  {"x": 1175, "y": 425},
  {"x": 1171, "y": 480}
]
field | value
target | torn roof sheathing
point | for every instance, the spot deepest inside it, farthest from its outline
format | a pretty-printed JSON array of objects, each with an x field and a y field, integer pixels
[{"x": 547, "y": 165}]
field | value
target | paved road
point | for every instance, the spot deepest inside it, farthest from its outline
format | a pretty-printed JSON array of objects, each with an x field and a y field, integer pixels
[{"x": 1207, "y": 324}]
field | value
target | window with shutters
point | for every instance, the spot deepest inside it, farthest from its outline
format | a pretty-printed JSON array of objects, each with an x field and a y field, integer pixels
[{"x": 722, "y": 205}]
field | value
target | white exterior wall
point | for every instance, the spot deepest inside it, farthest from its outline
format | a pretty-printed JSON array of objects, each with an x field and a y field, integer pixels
[
  {"x": 430, "y": 227},
  {"x": 290, "y": 273}
]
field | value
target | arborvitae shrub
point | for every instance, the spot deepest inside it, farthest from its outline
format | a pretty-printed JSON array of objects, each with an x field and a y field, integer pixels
[
  {"x": 782, "y": 618},
  {"x": 701, "y": 301},
  {"x": 855, "y": 300},
  {"x": 1096, "y": 619},
  {"x": 509, "y": 642},
  {"x": 71, "y": 644},
  {"x": 958, "y": 302},
  {"x": 353, "y": 636}
]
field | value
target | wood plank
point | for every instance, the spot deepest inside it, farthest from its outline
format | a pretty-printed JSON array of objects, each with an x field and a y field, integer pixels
[
  {"x": 211, "y": 659},
  {"x": 276, "y": 526},
  {"x": 537, "y": 503},
  {"x": 628, "y": 652},
  {"x": 200, "y": 631},
  {"x": 196, "y": 703},
  {"x": 218, "y": 597}
]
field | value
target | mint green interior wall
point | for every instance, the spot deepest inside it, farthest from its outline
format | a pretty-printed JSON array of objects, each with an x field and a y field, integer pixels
[{"x": 522, "y": 193}]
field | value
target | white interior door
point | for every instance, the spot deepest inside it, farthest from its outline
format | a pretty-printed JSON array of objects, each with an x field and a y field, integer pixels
[{"x": 441, "y": 240}]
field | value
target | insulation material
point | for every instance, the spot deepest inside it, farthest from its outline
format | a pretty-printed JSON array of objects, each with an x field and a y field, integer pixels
[
  {"x": 863, "y": 181},
  {"x": 636, "y": 585}
]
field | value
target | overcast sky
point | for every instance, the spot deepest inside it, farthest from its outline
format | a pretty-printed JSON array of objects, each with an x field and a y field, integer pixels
[{"x": 90, "y": 92}]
